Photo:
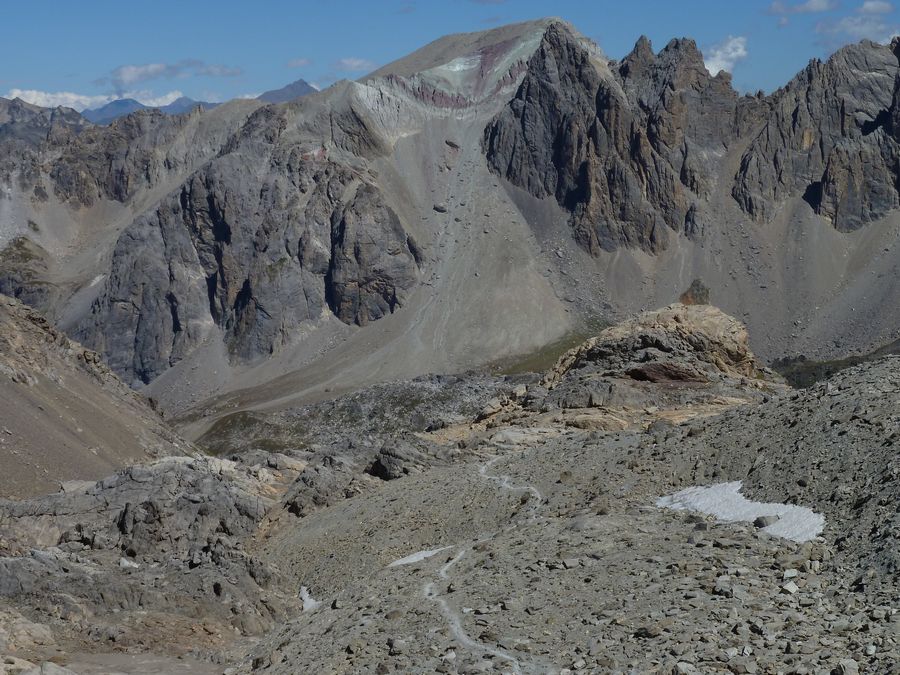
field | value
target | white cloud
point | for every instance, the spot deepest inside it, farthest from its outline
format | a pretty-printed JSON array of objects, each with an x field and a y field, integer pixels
[
  {"x": 352, "y": 64},
  {"x": 876, "y": 7},
  {"x": 249, "y": 96},
  {"x": 855, "y": 28},
  {"x": 155, "y": 101},
  {"x": 726, "y": 54},
  {"x": 52, "y": 99},
  {"x": 125, "y": 76},
  {"x": 813, "y": 6},
  {"x": 782, "y": 9},
  {"x": 808, "y": 7},
  {"x": 299, "y": 63},
  {"x": 48, "y": 99},
  {"x": 214, "y": 70},
  {"x": 131, "y": 74}
]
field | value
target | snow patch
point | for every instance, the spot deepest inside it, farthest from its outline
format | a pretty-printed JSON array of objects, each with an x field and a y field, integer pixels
[
  {"x": 461, "y": 63},
  {"x": 418, "y": 556},
  {"x": 96, "y": 280},
  {"x": 725, "y": 502},
  {"x": 309, "y": 604}
]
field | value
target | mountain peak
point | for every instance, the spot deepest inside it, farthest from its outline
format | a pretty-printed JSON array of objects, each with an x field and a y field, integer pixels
[
  {"x": 289, "y": 92},
  {"x": 463, "y": 68},
  {"x": 639, "y": 58},
  {"x": 517, "y": 38},
  {"x": 112, "y": 110},
  {"x": 682, "y": 49}
]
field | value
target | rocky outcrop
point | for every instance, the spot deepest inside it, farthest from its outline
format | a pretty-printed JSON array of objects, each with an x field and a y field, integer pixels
[
  {"x": 33, "y": 125},
  {"x": 696, "y": 294},
  {"x": 58, "y": 151},
  {"x": 24, "y": 130},
  {"x": 164, "y": 538},
  {"x": 23, "y": 271},
  {"x": 827, "y": 135},
  {"x": 699, "y": 340},
  {"x": 113, "y": 162},
  {"x": 624, "y": 148},
  {"x": 678, "y": 355},
  {"x": 263, "y": 238},
  {"x": 373, "y": 260}
]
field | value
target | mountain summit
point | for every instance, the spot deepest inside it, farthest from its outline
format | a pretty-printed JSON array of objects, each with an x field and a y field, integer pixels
[{"x": 289, "y": 92}]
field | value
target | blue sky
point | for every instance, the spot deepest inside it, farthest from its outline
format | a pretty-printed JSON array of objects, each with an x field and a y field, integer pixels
[{"x": 83, "y": 54}]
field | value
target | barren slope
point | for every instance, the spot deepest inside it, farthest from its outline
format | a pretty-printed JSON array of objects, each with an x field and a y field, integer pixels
[{"x": 64, "y": 416}]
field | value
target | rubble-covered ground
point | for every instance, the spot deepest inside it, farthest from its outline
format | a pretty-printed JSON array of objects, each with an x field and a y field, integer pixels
[{"x": 479, "y": 524}]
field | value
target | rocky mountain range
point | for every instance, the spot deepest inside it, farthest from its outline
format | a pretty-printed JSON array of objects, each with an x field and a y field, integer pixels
[
  {"x": 376, "y": 379},
  {"x": 255, "y": 237}
]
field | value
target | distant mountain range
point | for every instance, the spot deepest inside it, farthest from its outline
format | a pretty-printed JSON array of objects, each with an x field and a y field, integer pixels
[{"x": 125, "y": 106}]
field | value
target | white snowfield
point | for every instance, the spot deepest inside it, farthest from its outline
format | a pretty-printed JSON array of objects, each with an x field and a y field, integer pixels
[
  {"x": 419, "y": 556},
  {"x": 725, "y": 502},
  {"x": 309, "y": 603}
]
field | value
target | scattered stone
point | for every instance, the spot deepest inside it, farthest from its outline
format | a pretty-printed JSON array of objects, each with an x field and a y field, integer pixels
[
  {"x": 765, "y": 521},
  {"x": 790, "y": 588},
  {"x": 846, "y": 667}
]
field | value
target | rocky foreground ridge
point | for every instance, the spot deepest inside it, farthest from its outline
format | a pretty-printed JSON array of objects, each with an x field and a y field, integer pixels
[{"x": 489, "y": 524}]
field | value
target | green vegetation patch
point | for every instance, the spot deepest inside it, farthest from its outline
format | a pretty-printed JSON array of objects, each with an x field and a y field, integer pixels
[
  {"x": 21, "y": 251},
  {"x": 801, "y": 372},
  {"x": 246, "y": 430},
  {"x": 546, "y": 357}
]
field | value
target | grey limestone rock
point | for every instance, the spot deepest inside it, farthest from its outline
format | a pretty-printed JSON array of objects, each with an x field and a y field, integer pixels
[{"x": 826, "y": 135}]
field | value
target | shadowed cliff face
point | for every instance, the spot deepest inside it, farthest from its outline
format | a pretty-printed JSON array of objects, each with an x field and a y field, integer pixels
[
  {"x": 827, "y": 136},
  {"x": 259, "y": 241},
  {"x": 623, "y": 150}
]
